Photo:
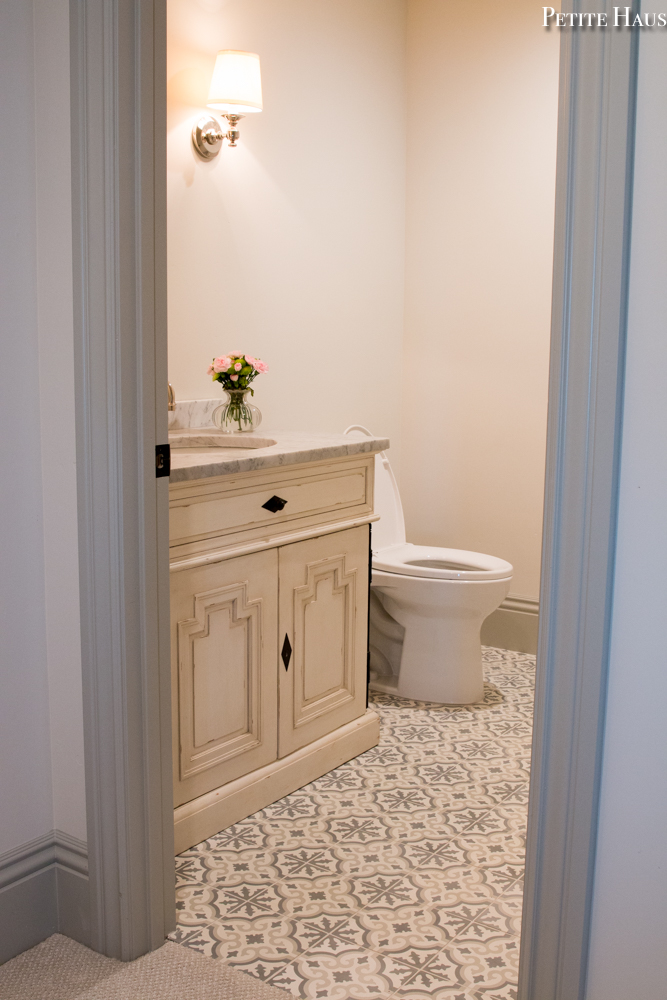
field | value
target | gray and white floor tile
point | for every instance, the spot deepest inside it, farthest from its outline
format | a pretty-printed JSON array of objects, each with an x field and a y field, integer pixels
[{"x": 397, "y": 875}]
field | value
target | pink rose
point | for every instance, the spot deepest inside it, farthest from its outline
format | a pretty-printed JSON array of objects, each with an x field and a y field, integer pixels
[
  {"x": 238, "y": 366},
  {"x": 209, "y": 370},
  {"x": 233, "y": 377},
  {"x": 222, "y": 364},
  {"x": 260, "y": 366}
]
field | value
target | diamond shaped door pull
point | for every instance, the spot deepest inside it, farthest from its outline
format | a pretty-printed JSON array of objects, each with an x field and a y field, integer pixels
[
  {"x": 287, "y": 652},
  {"x": 274, "y": 504}
]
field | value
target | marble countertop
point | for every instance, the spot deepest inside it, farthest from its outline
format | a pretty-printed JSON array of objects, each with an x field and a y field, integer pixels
[{"x": 291, "y": 448}]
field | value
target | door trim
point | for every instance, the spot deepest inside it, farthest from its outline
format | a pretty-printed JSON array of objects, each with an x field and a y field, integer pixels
[
  {"x": 589, "y": 316},
  {"x": 118, "y": 90},
  {"x": 118, "y": 116}
]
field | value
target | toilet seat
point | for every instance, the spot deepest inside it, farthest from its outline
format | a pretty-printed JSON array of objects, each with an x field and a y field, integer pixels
[{"x": 435, "y": 563}]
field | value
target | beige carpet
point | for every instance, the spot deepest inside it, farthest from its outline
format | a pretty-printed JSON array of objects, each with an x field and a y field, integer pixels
[{"x": 61, "y": 969}]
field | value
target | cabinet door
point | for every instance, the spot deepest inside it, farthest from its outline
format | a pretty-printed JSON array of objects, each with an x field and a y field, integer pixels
[
  {"x": 224, "y": 671},
  {"x": 323, "y": 618}
]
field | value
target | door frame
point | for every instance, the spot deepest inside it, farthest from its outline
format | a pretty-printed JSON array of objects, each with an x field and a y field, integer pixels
[
  {"x": 594, "y": 178},
  {"x": 118, "y": 95},
  {"x": 118, "y": 52}
]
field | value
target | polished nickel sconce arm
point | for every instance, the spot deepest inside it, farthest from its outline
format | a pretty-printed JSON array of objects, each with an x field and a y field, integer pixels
[{"x": 207, "y": 138}]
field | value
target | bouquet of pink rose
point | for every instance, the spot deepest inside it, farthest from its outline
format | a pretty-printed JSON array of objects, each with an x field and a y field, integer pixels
[{"x": 236, "y": 371}]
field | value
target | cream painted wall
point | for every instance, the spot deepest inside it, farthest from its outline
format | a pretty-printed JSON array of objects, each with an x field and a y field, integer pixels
[
  {"x": 629, "y": 920},
  {"x": 291, "y": 246},
  {"x": 482, "y": 110}
]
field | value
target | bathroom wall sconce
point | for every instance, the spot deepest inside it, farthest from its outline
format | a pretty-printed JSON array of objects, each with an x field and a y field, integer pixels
[{"x": 236, "y": 90}]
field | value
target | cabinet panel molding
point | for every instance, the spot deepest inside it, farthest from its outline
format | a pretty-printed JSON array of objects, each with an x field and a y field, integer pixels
[
  {"x": 323, "y": 661},
  {"x": 323, "y": 612},
  {"x": 224, "y": 665},
  {"x": 219, "y": 654}
]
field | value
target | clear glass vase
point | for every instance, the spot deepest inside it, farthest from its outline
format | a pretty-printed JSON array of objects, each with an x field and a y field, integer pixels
[{"x": 237, "y": 414}]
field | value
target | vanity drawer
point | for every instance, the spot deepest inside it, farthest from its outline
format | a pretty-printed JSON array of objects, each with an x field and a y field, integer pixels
[{"x": 239, "y": 506}]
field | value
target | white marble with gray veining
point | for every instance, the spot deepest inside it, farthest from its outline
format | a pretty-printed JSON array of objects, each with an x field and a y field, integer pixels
[
  {"x": 291, "y": 448},
  {"x": 193, "y": 413}
]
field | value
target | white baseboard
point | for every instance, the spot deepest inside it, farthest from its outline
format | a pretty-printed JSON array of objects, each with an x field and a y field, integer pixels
[{"x": 210, "y": 813}]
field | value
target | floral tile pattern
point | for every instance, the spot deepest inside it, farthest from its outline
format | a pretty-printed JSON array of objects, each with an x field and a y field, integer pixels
[{"x": 397, "y": 875}]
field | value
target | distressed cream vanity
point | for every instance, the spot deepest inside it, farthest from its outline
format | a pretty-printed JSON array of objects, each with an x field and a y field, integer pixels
[{"x": 269, "y": 560}]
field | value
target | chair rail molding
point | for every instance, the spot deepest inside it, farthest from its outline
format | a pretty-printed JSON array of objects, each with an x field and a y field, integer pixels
[
  {"x": 118, "y": 76},
  {"x": 592, "y": 240}
]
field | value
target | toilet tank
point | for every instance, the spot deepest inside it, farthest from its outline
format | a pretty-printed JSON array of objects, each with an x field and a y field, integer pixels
[{"x": 390, "y": 529}]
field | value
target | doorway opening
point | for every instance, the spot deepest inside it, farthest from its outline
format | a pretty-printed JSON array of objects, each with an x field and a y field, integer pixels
[
  {"x": 122, "y": 511},
  {"x": 401, "y": 868}
]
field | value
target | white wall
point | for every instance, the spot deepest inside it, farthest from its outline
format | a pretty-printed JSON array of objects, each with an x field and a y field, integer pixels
[
  {"x": 629, "y": 927},
  {"x": 41, "y": 733},
  {"x": 291, "y": 245},
  {"x": 26, "y": 808},
  {"x": 56, "y": 387},
  {"x": 482, "y": 112}
]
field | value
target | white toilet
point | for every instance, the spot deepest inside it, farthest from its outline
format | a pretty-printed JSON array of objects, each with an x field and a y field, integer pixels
[{"x": 427, "y": 606}]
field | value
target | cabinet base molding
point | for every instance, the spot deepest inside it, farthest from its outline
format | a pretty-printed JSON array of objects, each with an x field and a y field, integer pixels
[{"x": 210, "y": 813}]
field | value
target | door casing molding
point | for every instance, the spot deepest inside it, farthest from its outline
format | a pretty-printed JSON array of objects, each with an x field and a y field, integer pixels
[
  {"x": 118, "y": 87},
  {"x": 597, "y": 104},
  {"x": 118, "y": 57}
]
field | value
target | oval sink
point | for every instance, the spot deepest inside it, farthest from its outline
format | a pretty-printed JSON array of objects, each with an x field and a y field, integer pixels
[{"x": 204, "y": 437}]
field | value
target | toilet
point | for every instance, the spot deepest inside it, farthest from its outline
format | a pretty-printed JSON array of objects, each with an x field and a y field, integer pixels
[{"x": 427, "y": 606}]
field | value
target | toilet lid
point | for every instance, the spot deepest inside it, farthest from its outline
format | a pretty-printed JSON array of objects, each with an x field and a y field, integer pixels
[{"x": 390, "y": 529}]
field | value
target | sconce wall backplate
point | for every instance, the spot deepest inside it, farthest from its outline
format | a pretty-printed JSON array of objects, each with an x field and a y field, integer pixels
[{"x": 207, "y": 137}]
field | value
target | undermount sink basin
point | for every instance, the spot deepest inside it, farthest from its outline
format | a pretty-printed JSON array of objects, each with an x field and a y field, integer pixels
[{"x": 205, "y": 437}]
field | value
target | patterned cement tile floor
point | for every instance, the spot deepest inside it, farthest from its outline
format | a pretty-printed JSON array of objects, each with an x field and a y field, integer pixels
[{"x": 396, "y": 875}]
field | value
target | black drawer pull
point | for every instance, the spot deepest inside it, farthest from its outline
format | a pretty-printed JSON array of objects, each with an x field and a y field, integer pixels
[
  {"x": 274, "y": 504},
  {"x": 287, "y": 652}
]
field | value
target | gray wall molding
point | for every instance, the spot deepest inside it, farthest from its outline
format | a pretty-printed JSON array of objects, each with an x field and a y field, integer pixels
[
  {"x": 118, "y": 55},
  {"x": 513, "y": 625},
  {"x": 43, "y": 889},
  {"x": 521, "y": 604},
  {"x": 591, "y": 263},
  {"x": 52, "y": 848}
]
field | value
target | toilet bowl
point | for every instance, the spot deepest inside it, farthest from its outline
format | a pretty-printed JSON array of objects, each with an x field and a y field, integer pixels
[{"x": 427, "y": 606}]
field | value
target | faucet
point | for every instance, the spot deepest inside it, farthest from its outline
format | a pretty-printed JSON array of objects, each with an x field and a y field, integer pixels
[{"x": 171, "y": 405}]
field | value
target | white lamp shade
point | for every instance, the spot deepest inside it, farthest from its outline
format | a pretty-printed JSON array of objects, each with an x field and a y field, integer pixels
[{"x": 236, "y": 86}]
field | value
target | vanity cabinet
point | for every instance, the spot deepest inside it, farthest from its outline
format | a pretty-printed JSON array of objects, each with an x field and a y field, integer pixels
[{"x": 269, "y": 637}]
